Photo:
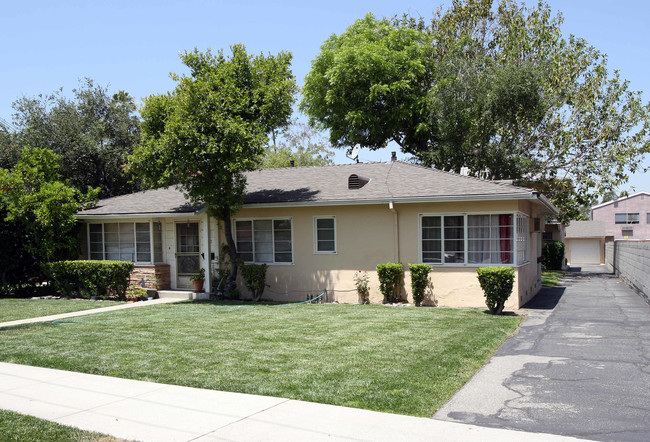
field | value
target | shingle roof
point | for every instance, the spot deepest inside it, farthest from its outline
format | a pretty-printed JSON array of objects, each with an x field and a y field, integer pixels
[
  {"x": 585, "y": 229},
  {"x": 328, "y": 184}
]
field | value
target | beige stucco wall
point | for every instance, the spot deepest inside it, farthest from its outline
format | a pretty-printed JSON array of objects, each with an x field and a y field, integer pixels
[{"x": 366, "y": 237}]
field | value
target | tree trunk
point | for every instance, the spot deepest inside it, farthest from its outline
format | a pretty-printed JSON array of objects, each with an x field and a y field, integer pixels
[{"x": 231, "y": 280}]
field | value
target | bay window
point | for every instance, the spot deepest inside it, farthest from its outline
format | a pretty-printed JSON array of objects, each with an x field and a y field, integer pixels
[{"x": 482, "y": 239}]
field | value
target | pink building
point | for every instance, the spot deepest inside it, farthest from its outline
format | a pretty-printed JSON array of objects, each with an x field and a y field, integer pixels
[{"x": 625, "y": 218}]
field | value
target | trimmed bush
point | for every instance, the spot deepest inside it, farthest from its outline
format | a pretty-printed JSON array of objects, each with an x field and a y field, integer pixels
[
  {"x": 390, "y": 280},
  {"x": 90, "y": 278},
  {"x": 419, "y": 281},
  {"x": 255, "y": 279},
  {"x": 496, "y": 283},
  {"x": 553, "y": 253}
]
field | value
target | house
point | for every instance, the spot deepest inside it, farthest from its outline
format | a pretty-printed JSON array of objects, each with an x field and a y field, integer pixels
[
  {"x": 585, "y": 242},
  {"x": 317, "y": 226},
  {"x": 625, "y": 218}
]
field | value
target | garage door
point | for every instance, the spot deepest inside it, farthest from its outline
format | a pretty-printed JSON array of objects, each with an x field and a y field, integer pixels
[{"x": 585, "y": 251}]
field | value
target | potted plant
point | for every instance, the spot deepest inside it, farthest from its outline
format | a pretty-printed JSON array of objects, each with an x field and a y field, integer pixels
[{"x": 198, "y": 279}]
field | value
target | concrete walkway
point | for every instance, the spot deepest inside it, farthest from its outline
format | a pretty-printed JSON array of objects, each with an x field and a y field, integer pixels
[
  {"x": 579, "y": 366},
  {"x": 89, "y": 312},
  {"x": 147, "y": 411}
]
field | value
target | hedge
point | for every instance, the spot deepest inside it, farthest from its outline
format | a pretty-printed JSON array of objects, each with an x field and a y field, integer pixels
[
  {"x": 90, "y": 278},
  {"x": 496, "y": 283},
  {"x": 390, "y": 280},
  {"x": 419, "y": 281},
  {"x": 553, "y": 253}
]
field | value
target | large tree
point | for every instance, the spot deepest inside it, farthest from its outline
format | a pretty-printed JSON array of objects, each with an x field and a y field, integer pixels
[
  {"x": 214, "y": 126},
  {"x": 496, "y": 88},
  {"x": 93, "y": 132},
  {"x": 39, "y": 207}
]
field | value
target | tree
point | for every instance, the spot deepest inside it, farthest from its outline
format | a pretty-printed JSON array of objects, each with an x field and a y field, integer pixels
[
  {"x": 214, "y": 126},
  {"x": 499, "y": 90},
  {"x": 299, "y": 143},
  {"x": 93, "y": 133},
  {"x": 41, "y": 207}
]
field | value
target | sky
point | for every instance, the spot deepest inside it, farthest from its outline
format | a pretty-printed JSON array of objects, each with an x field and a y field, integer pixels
[{"x": 133, "y": 45}]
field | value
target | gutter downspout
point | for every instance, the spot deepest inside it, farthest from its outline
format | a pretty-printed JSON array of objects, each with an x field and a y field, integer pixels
[{"x": 392, "y": 208}]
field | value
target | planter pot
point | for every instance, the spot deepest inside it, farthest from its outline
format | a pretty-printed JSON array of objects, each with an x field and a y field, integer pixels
[{"x": 198, "y": 286}]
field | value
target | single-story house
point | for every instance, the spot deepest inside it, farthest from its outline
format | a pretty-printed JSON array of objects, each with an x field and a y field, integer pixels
[
  {"x": 585, "y": 242},
  {"x": 317, "y": 226}
]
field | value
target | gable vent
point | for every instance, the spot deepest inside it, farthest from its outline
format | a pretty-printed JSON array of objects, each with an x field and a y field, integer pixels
[{"x": 356, "y": 182}]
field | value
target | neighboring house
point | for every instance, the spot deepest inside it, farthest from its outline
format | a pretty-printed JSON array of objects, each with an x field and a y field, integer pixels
[
  {"x": 585, "y": 242},
  {"x": 553, "y": 231},
  {"x": 317, "y": 226},
  {"x": 625, "y": 218}
]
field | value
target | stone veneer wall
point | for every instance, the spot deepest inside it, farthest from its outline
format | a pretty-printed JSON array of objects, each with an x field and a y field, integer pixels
[
  {"x": 144, "y": 273},
  {"x": 630, "y": 260}
]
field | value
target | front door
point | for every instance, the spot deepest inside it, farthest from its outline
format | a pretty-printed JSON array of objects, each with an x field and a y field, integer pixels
[{"x": 187, "y": 253}]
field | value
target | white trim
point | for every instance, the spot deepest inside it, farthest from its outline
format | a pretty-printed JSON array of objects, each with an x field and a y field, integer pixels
[
  {"x": 277, "y": 218},
  {"x": 623, "y": 198},
  {"x": 322, "y": 252},
  {"x": 139, "y": 215}
]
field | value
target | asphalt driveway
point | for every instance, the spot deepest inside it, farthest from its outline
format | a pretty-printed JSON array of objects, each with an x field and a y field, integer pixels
[{"x": 579, "y": 366}]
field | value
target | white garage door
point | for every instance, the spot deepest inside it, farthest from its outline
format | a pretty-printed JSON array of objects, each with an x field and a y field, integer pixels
[{"x": 585, "y": 251}]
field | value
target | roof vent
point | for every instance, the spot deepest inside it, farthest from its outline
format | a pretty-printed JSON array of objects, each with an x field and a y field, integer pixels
[{"x": 356, "y": 182}]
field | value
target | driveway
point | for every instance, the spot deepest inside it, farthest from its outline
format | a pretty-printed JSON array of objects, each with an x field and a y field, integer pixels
[{"x": 579, "y": 366}]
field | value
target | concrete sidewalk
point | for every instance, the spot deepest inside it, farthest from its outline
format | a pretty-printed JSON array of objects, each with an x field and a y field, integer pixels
[
  {"x": 89, "y": 312},
  {"x": 149, "y": 411}
]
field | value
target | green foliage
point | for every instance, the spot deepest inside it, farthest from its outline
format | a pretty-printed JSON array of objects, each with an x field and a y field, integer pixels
[
  {"x": 255, "y": 279},
  {"x": 299, "y": 143},
  {"x": 199, "y": 275},
  {"x": 553, "y": 253},
  {"x": 214, "y": 126},
  {"x": 390, "y": 280},
  {"x": 497, "y": 283},
  {"x": 33, "y": 196},
  {"x": 93, "y": 133},
  {"x": 495, "y": 88},
  {"x": 361, "y": 281},
  {"x": 90, "y": 278},
  {"x": 419, "y": 281}
]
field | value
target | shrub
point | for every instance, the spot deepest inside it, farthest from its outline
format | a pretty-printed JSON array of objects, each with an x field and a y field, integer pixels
[
  {"x": 553, "y": 255},
  {"x": 419, "y": 281},
  {"x": 255, "y": 279},
  {"x": 390, "y": 280},
  {"x": 361, "y": 280},
  {"x": 90, "y": 278},
  {"x": 496, "y": 283}
]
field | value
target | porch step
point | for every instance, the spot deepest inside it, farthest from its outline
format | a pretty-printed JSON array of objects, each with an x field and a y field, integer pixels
[{"x": 182, "y": 294}]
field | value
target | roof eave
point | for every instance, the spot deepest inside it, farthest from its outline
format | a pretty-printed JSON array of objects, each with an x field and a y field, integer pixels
[{"x": 140, "y": 215}]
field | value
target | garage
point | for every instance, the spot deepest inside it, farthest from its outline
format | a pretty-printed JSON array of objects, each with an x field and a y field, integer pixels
[
  {"x": 585, "y": 251},
  {"x": 584, "y": 242}
]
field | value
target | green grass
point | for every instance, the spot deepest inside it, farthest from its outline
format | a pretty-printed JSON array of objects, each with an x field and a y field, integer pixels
[
  {"x": 400, "y": 360},
  {"x": 18, "y": 427},
  {"x": 552, "y": 278},
  {"x": 12, "y": 309}
]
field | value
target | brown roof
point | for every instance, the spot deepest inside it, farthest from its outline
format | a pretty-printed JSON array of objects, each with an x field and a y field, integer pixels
[{"x": 393, "y": 181}]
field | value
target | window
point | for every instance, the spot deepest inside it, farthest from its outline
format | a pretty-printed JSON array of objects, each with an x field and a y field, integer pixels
[
  {"x": 121, "y": 241},
  {"x": 627, "y": 233},
  {"x": 324, "y": 234},
  {"x": 648, "y": 218},
  {"x": 474, "y": 239},
  {"x": 626, "y": 218},
  {"x": 264, "y": 240}
]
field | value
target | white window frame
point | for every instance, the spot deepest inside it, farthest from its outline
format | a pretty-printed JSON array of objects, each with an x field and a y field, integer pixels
[
  {"x": 520, "y": 239},
  {"x": 324, "y": 252},
  {"x": 282, "y": 218},
  {"x": 135, "y": 240}
]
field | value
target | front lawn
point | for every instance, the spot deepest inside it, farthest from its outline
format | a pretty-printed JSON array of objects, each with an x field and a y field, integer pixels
[
  {"x": 12, "y": 309},
  {"x": 399, "y": 360},
  {"x": 19, "y": 427}
]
